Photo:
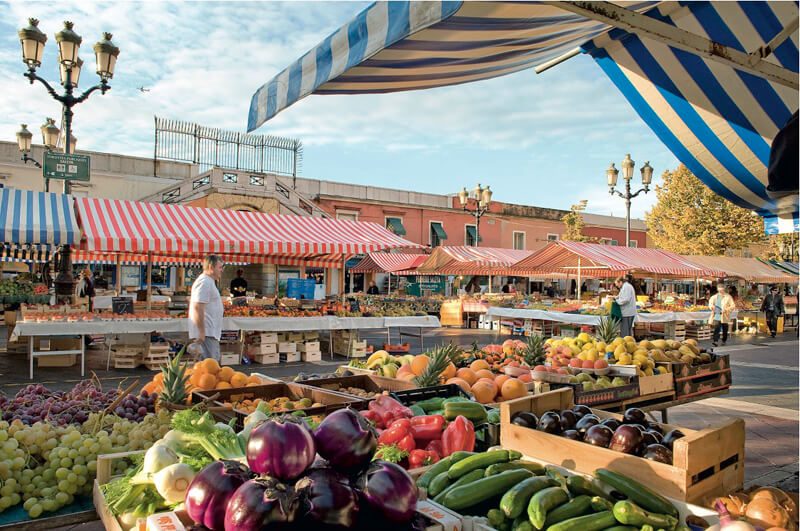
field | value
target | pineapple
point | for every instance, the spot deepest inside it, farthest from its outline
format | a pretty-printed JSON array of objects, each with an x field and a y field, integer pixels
[
  {"x": 175, "y": 380},
  {"x": 534, "y": 350},
  {"x": 440, "y": 359},
  {"x": 608, "y": 329}
]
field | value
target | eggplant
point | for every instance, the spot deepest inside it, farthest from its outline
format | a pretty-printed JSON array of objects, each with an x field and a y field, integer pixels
[
  {"x": 670, "y": 437},
  {"x": 627, "y": 439},
  {"x": 326, "y": 498},
  {"x": 612, "y": 423},
  {"x": 658, "y": 452},
  {"x": 526, "y": 419},
  {"x": 585, "y": 423},
  {"x": 655, "y": 426},
  {"x": 648, "y": 438},
  {"x": 260, "y": 504},
  {"x": 581, "y": 410},
  {"x": 599, "y": 435},
  {"x": 550, "y": 422},
  {"x": 346, "y": 439},
  {"x": 634, "y": 415},
  {"x": 568, "y": 419},
  {"x": 389, "y": 491},
  {"x": 209, "y": 492},
  {"x": 572, "y": 434},
  {"x": 656, "y": 434},
  {"x": 282, "y": 448}
]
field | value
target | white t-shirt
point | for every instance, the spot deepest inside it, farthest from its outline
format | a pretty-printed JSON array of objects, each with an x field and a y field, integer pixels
[
  {"x": 205, "y": 290},
  {"x": 627, "y": 300}
]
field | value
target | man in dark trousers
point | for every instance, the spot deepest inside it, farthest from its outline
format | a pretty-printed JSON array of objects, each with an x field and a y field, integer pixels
[{"x": 772, "y": 305}]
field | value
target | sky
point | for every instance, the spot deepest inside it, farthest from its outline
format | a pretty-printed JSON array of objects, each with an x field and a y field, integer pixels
[{"x": 543, "y": 140}]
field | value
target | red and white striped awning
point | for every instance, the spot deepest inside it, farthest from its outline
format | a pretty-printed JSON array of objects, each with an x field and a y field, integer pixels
[
  {"x": 179, "y": 230},
  {"x": 389, "y": 263},
  {"x": 465, "y": 260},
  {"x": 607, "y": 261}
]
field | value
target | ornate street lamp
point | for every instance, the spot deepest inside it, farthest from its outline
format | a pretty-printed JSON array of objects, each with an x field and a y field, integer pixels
[
  {"x": 627, "y": 174},
  {"x": 24, "y": 139},
  {"x": 483, "y": 198}
]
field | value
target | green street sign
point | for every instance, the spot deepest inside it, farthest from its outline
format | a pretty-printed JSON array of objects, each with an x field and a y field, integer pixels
[{"x": 65, "y": 166}]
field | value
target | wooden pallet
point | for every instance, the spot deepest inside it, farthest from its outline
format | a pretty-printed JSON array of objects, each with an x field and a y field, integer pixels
[
  {"x": 698, "y": 332},
  {"x": 127, "y": 356},
  {"x": 157, "y": 356}
]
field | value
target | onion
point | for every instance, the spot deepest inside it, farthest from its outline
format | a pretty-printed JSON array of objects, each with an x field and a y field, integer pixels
[
  {"x": 735, "y": 503},
  {"x": 779, "y": 497},
  {"x": 766, "y": 512}
]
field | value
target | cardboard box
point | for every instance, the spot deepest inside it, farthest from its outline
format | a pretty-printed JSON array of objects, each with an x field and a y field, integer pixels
[
  {"x": 266, "y": 359},
  {"x": 719, "y": 363},
  {"x": 309, "y": 346},
  {"x": 311, "y": 356},
  {"x": 289, "y": 357},
  {"x": 287, "y": 348},
  {"x": 261, "y": 349},
  {"x": 448, "y": 520},
  {"x": 705, "y": 384},
  {"x": 660, "y": 383}
]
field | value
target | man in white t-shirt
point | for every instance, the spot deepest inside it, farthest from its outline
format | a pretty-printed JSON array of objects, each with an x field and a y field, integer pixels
[
  {"x": 627, "y": 305},
  {"x": 205, "y": 308}
]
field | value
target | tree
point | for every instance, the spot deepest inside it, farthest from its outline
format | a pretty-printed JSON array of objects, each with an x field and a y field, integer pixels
[
  {"x": 689, "y": 218},
  {"x": 574, "y": 224},
  {"x": 781, "y": 247}
]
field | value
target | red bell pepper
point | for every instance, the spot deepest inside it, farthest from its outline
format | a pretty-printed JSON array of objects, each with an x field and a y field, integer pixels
[
  {"x": 389, "y": 409},
  {"x": 398, "y": 430},
  {"x": 435, "y": 446},
  {"x": 459, "y": 436},
  {"x": 407, "y": 443},
  {"x": 420, "y": 458},
  {"x": 427, "y": 426},
  {"x": 373, "y": 417}
]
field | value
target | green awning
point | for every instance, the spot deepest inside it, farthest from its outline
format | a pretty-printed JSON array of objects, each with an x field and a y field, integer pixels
[
  {"x": 473, "y": 233},
  {"x": 396, "y": 225},
  {"x": 440, "y": 233}
]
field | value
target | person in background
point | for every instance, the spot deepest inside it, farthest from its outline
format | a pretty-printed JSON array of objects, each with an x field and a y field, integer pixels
[
  {"x": 373, "y": 289},
  {"x": 627, "y": 304},
  {"x": 773, "y": 307},
  {"x": 85, "y": 287},
  {"x": 239, "y": 284},
  {"x": 205, "y": 308},
  {"x": 508, "y": 287},
  {"x": 721, "y": 305},
  {"x": 99, "y": 281}
]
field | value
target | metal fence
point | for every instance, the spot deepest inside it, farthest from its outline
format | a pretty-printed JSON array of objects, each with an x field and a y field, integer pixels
[{"x": 208, "y": 147}]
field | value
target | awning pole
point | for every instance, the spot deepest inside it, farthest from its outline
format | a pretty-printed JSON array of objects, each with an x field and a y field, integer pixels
[
  {"x": 119, "y": 276},
  {"x": 579, "y": 279},
  {"x": 149, "y": 278},
  {"x": 390, "y": 283}
]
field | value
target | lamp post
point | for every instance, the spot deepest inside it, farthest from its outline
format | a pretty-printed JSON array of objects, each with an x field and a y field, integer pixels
[
  {"x": 483, "y": 197},
  {"x": 69, "y": 42},
  {"x": 627, "y": 173},
  {"x": 50, "y": 135}
]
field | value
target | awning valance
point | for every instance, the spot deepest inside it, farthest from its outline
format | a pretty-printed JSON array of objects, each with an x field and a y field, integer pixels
[
  {"x": 439, "y": 230},
  {"x": 749, "y": 269},
  {"x": 389, "y": 263},
  {"x": 464, "y": 260},
  {"x": 28, "y": 217}
]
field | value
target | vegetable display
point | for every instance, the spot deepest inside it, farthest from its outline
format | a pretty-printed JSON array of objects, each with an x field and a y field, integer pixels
[
  {"x": 282, "y": 448},
  {"x": 210, "y": 491}
]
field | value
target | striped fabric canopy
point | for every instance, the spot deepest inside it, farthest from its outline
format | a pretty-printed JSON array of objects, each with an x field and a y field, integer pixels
[
  {"x": 45, "y": 219},
  {"x": 785, "y": 267},
  {"x": 389, "y": 263},
  {"x": 597, "y": 260},
  {"x": 749, "y": 269},
  {"x": 465, "y": 260},
  {"x": 717, "y": 120},
  {"x": 178, "y": 230}
]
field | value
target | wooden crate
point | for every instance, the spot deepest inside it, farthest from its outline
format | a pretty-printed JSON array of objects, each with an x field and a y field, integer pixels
[
  {"x": 289, "y": 357},
  {"x": 157, "y": 356},
  {"x": 262, "y": 349},
  {"x": 127, "y": 356},
  {"x": 350, "y": 349},
  {"x": 699, "y": 332},
  {"x": 229, "y": 359},
  {"x": 309, "y": 346},
  {"x": 311, "y": 356},
  {"x": 311, "y": 336},
  {"x": 287, "y": 348},
  {"x": 265, "y": 359},
  {"x": 261, "y": 338},
  {"x": 706, "y": 463}
]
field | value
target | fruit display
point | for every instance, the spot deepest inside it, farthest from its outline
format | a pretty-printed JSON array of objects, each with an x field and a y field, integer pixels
[
  {"x": 397, "y": 306},
  {"x": 21, "y": 290},
  {"x": 204, "y": 375},
  {"x": 267, "y": 311}
]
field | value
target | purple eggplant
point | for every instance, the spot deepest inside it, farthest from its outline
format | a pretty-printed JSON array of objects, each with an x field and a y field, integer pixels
[
  {"x": 599, "y": 435},
  {"x": 389, "y": 491},
  {"x": 346, "y": 440},
  {"x": 670, "y": 437},
  {"x": 282, "y": 448},
  {"x": 568, "y": 419},
  {"x": 260, "y": 504},
  {"x": 627, "y": 439},
  {"x": 210, "y": 490},
  {"x": 658, "y": 452},
  {"x": 327, "y": 498}
]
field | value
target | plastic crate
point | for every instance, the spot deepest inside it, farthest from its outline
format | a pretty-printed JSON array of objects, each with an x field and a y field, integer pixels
[{"x": 411, "y": 396}]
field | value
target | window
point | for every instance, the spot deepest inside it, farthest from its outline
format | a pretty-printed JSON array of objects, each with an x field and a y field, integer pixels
[
  {"x": 437, "y": 234},
  {"x": 605, "y": 241},
  {"x": 202, "y": 181},
  {"x": 552, "y": 237},
  {"x": 172, "y": 194},
  {"x": 348, "y": 215},
  {"x": 470, "y": 235},
  {"x": 614, "y": 243},
  {"x": 634, "y": 243},
  {"x": 256, "y": 180},
  {"x": 396, "y": 226},
  {"x": 230, "y": 178},
  {"x": 519, "y": 240}
]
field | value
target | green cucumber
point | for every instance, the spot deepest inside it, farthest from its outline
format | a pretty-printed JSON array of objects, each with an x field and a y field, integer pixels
[
  {"x": 574, "y": 508},
  {"x": 469, "y": 477},
  {"x": 455, "y": 457},
  {"x": 600, "y": 504},
  {"x": 643, "y": 496},
  {"x": 438, "y": 484},
  {"x": 513, "y": 455},
  {"x": 495, "y": 517},
  {"x": 477, "y": 461},
  {"x": 627, "y": 512},
  {"x": 437, "y": 468},
  {"x": 542, "y": 502},
  {"x": 580, "y": 485},
  {"x": 483, "y": 489},
  {"x": 473, "y": 411},
  {"x": 590, "y": 522},
  {"x": 516, "y": 498},
  {"x": 493, "y": 416},
  {"x": 536, "y": 468},
  {"x": 456, "y": 399}
]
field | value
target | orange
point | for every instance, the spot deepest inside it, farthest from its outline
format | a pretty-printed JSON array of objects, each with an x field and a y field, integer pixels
[
  {"x": 419, "y": 363},
  {"x": 253, "y": 379},
  {"x": 485, "y": 373},
  {"x": 462, "y": 383},
  {"x": 449, "y": 371},
  {"x": 206, "y": 381},
  {"x": 483, "y": 391},
  {"x": 467, "y": 375},
  {"x": 478, "y": 365},
  {"x": 499, "y": 380},
  {"x": 210, "y": 365},
  {"x": 225, "y": 374},
  {"x": 158, "y": 378},
  {"x": 239, "y": 379},
  {"x": 513, "y": 388},
  {"x": 194, "y": 379},
  {"x": 223, "y": 385}
]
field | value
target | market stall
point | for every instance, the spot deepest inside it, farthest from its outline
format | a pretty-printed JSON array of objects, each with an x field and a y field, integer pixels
[{"x": 399, "y": 264}]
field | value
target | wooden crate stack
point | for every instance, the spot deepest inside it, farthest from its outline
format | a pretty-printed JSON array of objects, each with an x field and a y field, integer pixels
[
  {"x": 309, "y": 348},
  {"x": 287, "y": 346},
  {"x": 127, "y": 356},
  {"x": 537, "y": 326},
  {"x": 698, "y": 331},
  {"x": 346, "y": 343},
  {"x": 262, "y": 347},
  {"x": 230, "y": 347},
  {"x": 157, "y": 356}
]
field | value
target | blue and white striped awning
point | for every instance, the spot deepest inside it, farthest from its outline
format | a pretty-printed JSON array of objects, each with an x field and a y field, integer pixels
[
  {"x": 40, "y": 218},
  {"x": 719, "y": 121}
]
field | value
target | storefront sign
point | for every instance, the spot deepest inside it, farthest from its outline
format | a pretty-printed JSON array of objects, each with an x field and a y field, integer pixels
[{"x": 65, "y": 166}]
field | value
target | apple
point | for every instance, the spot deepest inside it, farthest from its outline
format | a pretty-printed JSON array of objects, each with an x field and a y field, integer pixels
[
  {"x": 562, "y": 371},
  {"x": 575, "y": 362},
  {"x": 601, "y": 364},
  {"x": 588, "y": 364}
]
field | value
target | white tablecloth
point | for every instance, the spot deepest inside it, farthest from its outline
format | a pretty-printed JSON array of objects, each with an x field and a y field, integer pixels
[{"x": 576, "y": 318}]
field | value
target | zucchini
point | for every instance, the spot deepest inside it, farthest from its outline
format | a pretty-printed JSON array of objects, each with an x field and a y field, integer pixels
[
  {"x": 495, "y": 517},
  {"x": 493, "y": 416},
  {"x": 622, "y": 528},
  {"x": 473, "y": 411},
  {"x": 455, "y": 457},
  {"x": 469, "y": 477},
  {"x": 647, "y": 527},
  {"x": 473, "y": 462},
  {"x": 643, "y": 496},
  {"x": 580, "y": 485},
  {"x": 590, "y": 522},
  {"x": 514, "y": 455},
  {"x": 431, "y": 404},
  {"x": 483, "y": 489},
  {"x": 517, "y": 497},
  {"x": 524, "y": 526},
  {"x": 437, "y": 468},
  {"x": 542, "y": 502},
  {"x": 627, "y": 512},
  {"x": 536, "y": 468},
  {"x": 438, "y": 484},
  {"x": 600, "y": 504},
  {"x": 574, "y": 508},
  {"x": 553, "y": 472}
]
